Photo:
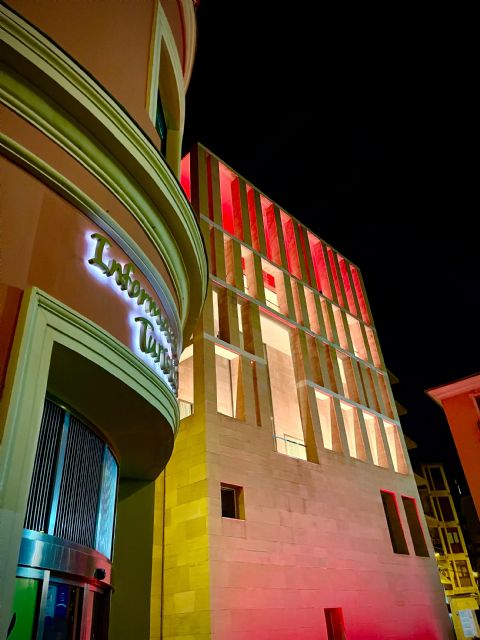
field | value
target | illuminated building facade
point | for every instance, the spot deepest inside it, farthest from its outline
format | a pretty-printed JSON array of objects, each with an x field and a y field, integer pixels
[
  {"x": 461, "y": 402},
  {"x": 291, "y": 510},
  {"x": 458, "y": 579},
  {"x": 103, "y": 273}
]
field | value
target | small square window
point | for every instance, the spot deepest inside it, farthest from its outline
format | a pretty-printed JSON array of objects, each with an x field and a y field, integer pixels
[{"x": 232, "y": 501}]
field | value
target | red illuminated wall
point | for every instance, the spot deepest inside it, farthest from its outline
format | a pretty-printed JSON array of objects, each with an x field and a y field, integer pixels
[
  {"x": 284, "y": 240},
  {"x": 460, "y": 401}
]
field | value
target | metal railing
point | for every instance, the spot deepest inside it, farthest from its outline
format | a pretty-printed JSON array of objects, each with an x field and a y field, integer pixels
[{"x": 293, "y": 447}]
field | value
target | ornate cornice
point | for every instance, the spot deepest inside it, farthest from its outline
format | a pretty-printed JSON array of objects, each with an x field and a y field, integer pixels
[{"x": 81, "y": 117}]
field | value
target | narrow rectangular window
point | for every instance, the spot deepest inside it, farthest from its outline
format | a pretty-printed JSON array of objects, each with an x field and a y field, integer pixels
[
  {"x": 375, "y": 440},
  {"x": 335, "y": 624},
  {"x": 291, "y": 248},
  {"x": 232, "y": 501},
  {"x": 418, "y": 539},
  {"x": 347, "y": 285},
  {"x": 320, "y": 269},
  {"x": 287, "y": 421},
  {"x": 269, "y": 283},
  {"x": 252, "y": 215},
  {"x": 357, "y": 337},
  {"x": 437, "y": 482},
  {"x": 395, "y": 446},
  {"x": 336, "y": 281},
  {"x": 359, "y": 290},
  {"x": 397, "y": 537},
  {"x": 454, "y": 540},
  {"x": 356, "y": 446},
  {"x": 328, "y": 422},
  {"x": 230, "y": 201},
  {"x": 161, "y": 125},
  {"x": 463, "y": 573},
  {"x": 444, "y": 509},
  {"x": 229, "y": 387},
  {"x": 270, "y": 228},
  {"x": 185, "y": 383}
]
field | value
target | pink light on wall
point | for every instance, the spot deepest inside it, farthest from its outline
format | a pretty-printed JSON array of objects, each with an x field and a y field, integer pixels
[
  {"x": 209, "y": 187},
  {"x": 335, "y": 624},
  {"x": 319, "y": 266},
  {"x": 237, "y": 208},
  {"x": 268, "y": 280},
  {"x": 336, "y": 281},
  {"x": 226, "y": 178},
  {"x": 290, "y": 245},
  {"x": 303, "y": 241},
  {"x": 230, "y": 202},
  {"x": 252, "y": 217},
  {"x": 360, "y": 296},
  {"x": 185, "y": 179},
  {"x": 347, "y": 286},
  {"x": 270, "y": 226}
]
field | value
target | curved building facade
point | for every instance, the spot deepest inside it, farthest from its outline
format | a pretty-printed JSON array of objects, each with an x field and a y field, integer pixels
[{"x": 102, "y": 278}]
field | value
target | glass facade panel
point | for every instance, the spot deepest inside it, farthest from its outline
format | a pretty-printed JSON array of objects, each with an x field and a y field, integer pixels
[
  {"x": 74, "y": 497},
  {"x": 106, "y": 507}
]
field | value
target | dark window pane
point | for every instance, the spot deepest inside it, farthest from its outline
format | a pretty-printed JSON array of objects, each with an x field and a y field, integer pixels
[
  {"x": 446, "y": 509},
  {"x": 397, "y": 536},
  {"x": 160, "y": 124},
  {"x": 229, "y": 503},
  {"x": 62, "y": 613},
  {"x": 437, "y": 479},
  {"x": 415, "y": 527},
  {"x": 335, "y": 624}
]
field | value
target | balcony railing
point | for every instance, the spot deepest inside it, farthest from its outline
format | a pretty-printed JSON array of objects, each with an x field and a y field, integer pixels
[{"x": 290, "y": 446}]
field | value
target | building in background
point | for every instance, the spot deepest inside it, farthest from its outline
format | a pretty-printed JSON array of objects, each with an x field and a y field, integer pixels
[
  {"x": 291, "y": 510},
  {"x": 459, "y": 580},
  {"x": 103, "y": 273},
  {"x": 461, "y": 402}
]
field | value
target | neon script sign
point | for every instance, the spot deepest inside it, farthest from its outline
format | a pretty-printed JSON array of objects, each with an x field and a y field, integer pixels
[{"x": 156, "y": 338}]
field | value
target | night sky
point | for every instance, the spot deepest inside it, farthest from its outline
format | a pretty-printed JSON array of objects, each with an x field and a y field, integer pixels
[{"x": 361, "y": 126}]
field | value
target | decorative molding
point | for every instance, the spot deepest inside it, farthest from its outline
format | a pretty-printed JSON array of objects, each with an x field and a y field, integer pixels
[
  {"x": 42, "y": 323},
  {"x": 70, "y": 192},
  {"x": 162, "y": 32},
  {"x": 456, "y": 388},
  {"x": 190, "y": 33},
  {"x": 52, "y": 316},
  {"x": 143, "y": 182}
]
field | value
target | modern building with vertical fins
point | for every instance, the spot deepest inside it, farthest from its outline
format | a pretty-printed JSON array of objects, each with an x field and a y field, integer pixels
[
  {"x": 288, "y": 508},
  {"x": 103, "y": 274},
  {"x": 291, "y": 510}
]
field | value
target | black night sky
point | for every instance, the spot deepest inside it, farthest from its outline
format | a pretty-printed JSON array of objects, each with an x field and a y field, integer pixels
[{"x": 361, "y": 126}]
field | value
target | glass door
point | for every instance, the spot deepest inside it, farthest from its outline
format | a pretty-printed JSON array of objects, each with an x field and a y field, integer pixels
[
  {"x": 47, "y": 607},
  {"x": 63, "y": 612},
  {"x": 22, "y": 621}
]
